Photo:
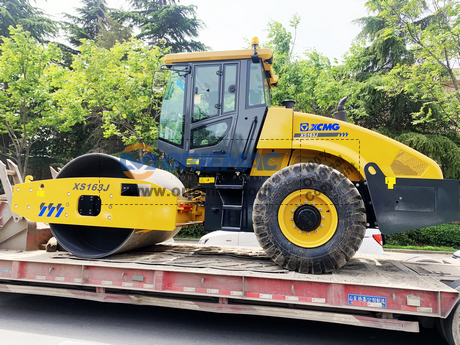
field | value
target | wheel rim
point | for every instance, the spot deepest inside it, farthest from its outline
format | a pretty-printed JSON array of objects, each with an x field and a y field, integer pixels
[{"x": 307, "y": 218}]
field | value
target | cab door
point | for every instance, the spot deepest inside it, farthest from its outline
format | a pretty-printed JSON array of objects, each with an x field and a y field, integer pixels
[{"x": 213, "y": 114}]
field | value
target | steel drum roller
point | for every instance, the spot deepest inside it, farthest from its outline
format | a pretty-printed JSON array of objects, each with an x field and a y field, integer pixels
[{"x": 97, "y": 242}]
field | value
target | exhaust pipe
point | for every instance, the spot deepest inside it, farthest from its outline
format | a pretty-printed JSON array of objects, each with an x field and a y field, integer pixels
[{"x": 341, "y": 114}]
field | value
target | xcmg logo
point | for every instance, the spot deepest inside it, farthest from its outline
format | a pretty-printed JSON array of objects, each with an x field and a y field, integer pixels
[{"x": 310, "y": 127}]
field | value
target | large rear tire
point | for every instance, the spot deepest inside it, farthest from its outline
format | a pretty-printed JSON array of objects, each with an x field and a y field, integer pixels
[{"x": 309, "y": 218}]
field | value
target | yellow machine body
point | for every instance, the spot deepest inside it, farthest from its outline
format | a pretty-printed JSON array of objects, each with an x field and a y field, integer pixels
[
  {"x": 342, "y": 145},
  {"x": 57, "y": 202}
]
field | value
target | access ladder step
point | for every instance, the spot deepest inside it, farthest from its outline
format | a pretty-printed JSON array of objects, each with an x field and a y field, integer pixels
[
  {"x": 231, "y": 228},
  {"x": 229, "y": 186},
  {"x": 232, "y": 207}
]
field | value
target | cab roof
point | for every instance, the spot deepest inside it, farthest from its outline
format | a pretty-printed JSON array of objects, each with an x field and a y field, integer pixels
[{"x": 265, "y": 54}]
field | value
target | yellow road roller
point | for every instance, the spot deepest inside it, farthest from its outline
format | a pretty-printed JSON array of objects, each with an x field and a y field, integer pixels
[{"x": 307, "y": 185}]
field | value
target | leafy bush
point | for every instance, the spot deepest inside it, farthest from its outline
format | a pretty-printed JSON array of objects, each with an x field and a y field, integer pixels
[
  {"x": 447, "y": 235},
  {"x": 191, "y": 231}
]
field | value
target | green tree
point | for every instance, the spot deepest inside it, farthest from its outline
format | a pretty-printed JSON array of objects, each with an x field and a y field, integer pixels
[
  {"x": 111, "y": 33},
  {"x": 29, "y": 81},
  {"x": 432, "y": 31},
  {"x": 414, "y": 47},
  {"x": 165, "y": 23},
  {"x": 312, "y": 81},
  {"x": 92, "y": 20},
  {"x": 57, "y": 148},
  {"x": 32, "y": 19},
  {"x": 284, "y": 65},
  {"x": 116, "y": 86},
  {"x": 385, "y": 50},
  {"x": 280, "y": 41}
]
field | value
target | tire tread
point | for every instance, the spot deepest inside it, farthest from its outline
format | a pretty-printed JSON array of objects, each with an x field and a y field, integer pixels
[{"x": 350, "y": 239}]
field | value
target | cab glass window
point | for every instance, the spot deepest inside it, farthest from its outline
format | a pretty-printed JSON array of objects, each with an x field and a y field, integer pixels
[
  {"x": 172, "y": 109},
  {"x": 206, "y": 92},
  {"x": 211, "y": 134},
  {"x": 256, "y": 94},
  {"x": 230, "y": 87}
]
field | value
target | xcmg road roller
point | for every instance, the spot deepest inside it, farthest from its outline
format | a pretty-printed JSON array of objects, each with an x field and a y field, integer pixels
[{"x": 307, "y": 185}]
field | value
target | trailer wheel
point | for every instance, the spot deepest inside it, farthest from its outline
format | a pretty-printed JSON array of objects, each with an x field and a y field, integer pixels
[
  {"x": 309, "y": 218},
  {"x": 450, "y": 327}
]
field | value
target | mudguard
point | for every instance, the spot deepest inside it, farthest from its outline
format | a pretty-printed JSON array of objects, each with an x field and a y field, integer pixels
[{"x": 403, "y": 204}]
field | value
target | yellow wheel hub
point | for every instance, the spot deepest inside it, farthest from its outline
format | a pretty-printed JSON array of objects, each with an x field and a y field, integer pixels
[{"x": 307, "y": 218}]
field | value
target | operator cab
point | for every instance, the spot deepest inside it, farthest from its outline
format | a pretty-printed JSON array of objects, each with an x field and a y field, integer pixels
[{"x": 213, "y": 108}]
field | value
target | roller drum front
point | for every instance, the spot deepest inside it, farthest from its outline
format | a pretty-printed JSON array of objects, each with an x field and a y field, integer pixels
[{"x": 97, "y": 242}]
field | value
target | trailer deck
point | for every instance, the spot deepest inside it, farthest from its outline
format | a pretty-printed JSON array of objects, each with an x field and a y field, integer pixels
[{"x": 371, "y": 291}]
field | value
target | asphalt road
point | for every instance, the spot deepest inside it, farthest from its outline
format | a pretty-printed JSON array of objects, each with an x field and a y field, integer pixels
[{"x": 40, "y": 320}]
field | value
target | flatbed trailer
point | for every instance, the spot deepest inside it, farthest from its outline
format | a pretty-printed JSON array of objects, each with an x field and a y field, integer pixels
[{"x": 392, "y": 291}]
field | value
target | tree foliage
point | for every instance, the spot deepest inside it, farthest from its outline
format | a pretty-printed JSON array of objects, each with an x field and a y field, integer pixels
[
  {"x": 30, "y": 78},
  {"x": 386, "y": 49},
  {"x": 115, "y": 85},
  {"x": 32, "y": 19},
  {"x": 88, "y": 23},
  {"x": 432, "y": 32},
  {"x": 111, "y": 33},
  {"x": 164, "y": 23}
]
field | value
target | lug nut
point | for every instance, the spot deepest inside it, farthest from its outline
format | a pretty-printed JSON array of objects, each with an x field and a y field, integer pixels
[
  {"x": 305, "y": 202},
  {"x": 300, "y": 231},
  {"x": 321, "y": 225},
  {"x": 313, "y": 204},
  {"x": 323, "y": 217},
  {"x": 308, "y": 233},
  {"x": 316, "y": 231},
  {"x": 292, "y": 210},
  {"x": 292, "y": 218},
  {"x": 320, "y": 209}
]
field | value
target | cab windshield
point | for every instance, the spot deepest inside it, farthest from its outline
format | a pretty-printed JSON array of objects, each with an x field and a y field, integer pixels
[{"x": 172, "y": 109}]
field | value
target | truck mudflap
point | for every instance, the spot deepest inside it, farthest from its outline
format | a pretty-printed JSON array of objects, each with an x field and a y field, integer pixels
[{"x": 402, "y": 204}]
